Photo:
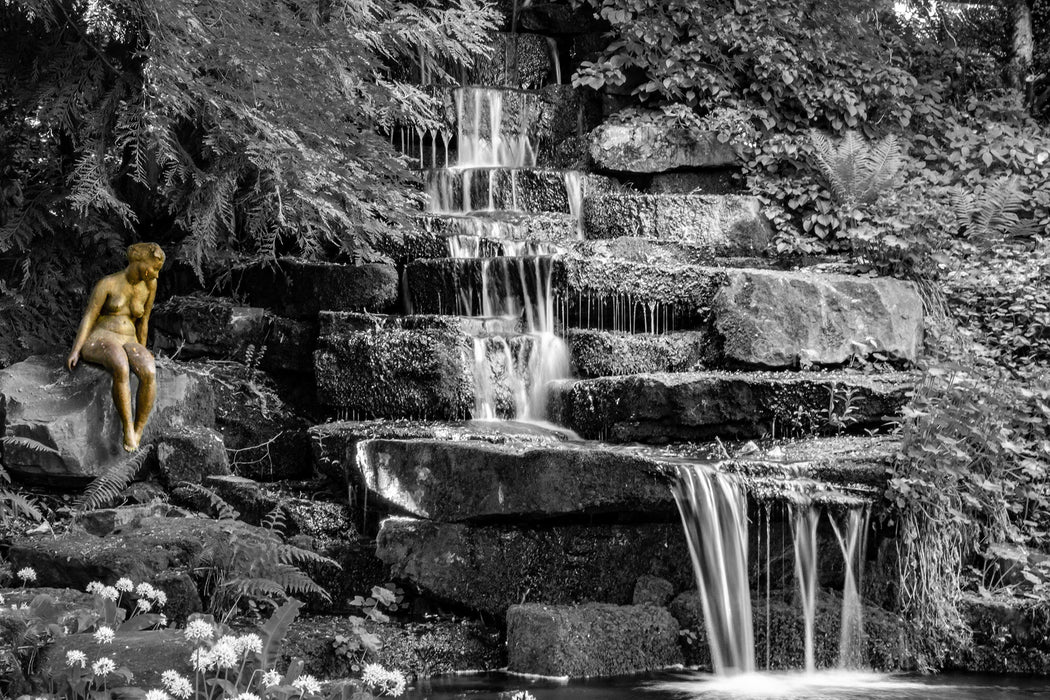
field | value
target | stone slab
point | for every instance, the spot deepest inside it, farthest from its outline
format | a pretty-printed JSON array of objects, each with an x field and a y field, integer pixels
[
  {"x": 491, "y": 189},
  {"x": 649, "y": 148},
  {"x": 664, "y": 407},
  {"x": 300, "y": 288},
  {"x": 73, "y": 414},
  {"x": 490, "y": 568},
  {"x": 590, "y": 640},
  {"x": 777, "y": 319},
  {"x": 605, "y": 353},
  {"x": 725, "y": 224}
]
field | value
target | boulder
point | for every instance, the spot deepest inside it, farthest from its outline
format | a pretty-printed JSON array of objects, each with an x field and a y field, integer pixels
[
  {"x": 300, "y": 288},
  {"x": 190, "y": 453},
  {"x": 719, "y": 181},
  {"x": 419, "y": 649},
  {"x": 146, "y": 655},
  {"x": 73, "y": 415},
  {"x": 198, "y": 326},
  {"x": 490, "y": 568},
  {"x": 652, "y": 590},
  {"x": 590, "y": 640},
  {"x": 652, "y": 148},
  {"x": 724, "y": 224},
  {"x": 778, "y": 319},
  {"x": 659, "y": 408},
  {"x": 453, "y": 481},
  {"x": 103, "y": 521},
  {"x": 1009, "y": 635}
]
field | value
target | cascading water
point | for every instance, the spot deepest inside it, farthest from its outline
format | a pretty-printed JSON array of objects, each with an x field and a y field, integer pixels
[
  {"x": 713, "y": 507},
  {"x": 804, "y": 526},
  {"x": 852, "y": 539}
]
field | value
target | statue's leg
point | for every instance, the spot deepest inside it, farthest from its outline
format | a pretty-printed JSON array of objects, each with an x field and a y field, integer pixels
[
  {"x": 106, "y": 349},
  {"x": 144, "y": 367}
]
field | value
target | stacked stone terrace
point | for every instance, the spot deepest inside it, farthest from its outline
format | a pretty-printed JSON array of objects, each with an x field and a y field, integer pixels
[{"x": 685, "y": 339}]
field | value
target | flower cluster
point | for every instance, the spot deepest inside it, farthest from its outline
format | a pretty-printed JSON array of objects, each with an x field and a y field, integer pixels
[
  {"x": 148, "y": 597},
  {"x": 307, "y": 685},
  {"x": 28, "y": 575},
  {"x": 382, "y": 681},
  {"x": 176, "y": 684}
]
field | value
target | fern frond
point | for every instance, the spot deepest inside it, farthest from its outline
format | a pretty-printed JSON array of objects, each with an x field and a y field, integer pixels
[
  {"x": 290, "y": 554},
  {"x": 13, "y": 504},
  {"x": 878, "y": 167},
  {"x": 221, "y": 509},
  {"x": 293, "y": 580},
  {"x": 108, "y": 486},
  {"x": 277, "y": 519},
  {"x": 29, "y": 444},
  {"x": 274, "y": 631}
]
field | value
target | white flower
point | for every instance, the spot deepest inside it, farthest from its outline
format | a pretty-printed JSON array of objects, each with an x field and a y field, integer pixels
[
  {"x": 124, "y": 585},
  {"x": 109, "y": 593},
  {"x": 243, "y": 696},
  {"x": 307, "y": 685},
  {"x": 224, "y": 653},
  {"x": 157, "y": 695},
  {"x": 145, "y": 590},
  {"x": 76, "y": 658},
  {"x": 160, "y": 597},
  {"x": 27, "y": 574},
  {"x": 520, "y": 695},
  {"x": 384, "y": 681},
  {"x": 103, "y": 667},
  {"x": 201, "y": 659},
  {"x": 249, "y": 643},
  {"x": 104, "y": 635},
  {"x": 95, "y": 588},
  {"x": 143, "y": 605},
  {"x": 199, "y": 631},
  {"x": 176, "y": 684},
  {"x": 270, "y": 678},
  {"x": 163, "y": 621}
]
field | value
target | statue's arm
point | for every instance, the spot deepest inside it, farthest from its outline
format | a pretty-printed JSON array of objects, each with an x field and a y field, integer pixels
[
  {"x": 94, "y": 307},
  {"x": 142, "y": 324}
]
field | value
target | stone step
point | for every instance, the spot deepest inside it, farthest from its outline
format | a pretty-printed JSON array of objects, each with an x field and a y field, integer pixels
[
  {"x": 724, "y": 224},
  {"x": 525, "y": 481},
  {"x": 596, "y": 353},
  {"x": 499, "y": 227},
  {"x": 664, "y": 407},
  {"x": 755, "y": 318},
  {"x": 486, "y": 189},
  {"x": 639, "y": 146}
]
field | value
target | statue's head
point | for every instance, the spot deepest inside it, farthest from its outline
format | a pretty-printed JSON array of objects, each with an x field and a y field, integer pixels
[{"x": 148, "y": 258}]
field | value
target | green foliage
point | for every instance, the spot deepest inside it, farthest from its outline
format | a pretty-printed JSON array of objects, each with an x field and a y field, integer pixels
[
  {"x": 12, "y": 503},
  {"x": 221, "y": 510},
  {"x": 856, "y": 171},
  {"x": 107, "y": 487},
  {"x": 236, "y": 128}
]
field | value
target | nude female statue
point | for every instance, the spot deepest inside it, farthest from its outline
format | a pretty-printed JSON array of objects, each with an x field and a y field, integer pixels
[{"x": 113, "y": 334}]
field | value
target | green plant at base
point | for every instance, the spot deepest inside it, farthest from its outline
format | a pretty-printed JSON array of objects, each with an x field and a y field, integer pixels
[
  {"x": 12, "y": 503},
  {"x": 355, "y": 649},
  {"x": 107, "y": 486}
]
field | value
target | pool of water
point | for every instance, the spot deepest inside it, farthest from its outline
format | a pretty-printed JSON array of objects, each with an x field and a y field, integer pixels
[{"x": 686, "y": 685}]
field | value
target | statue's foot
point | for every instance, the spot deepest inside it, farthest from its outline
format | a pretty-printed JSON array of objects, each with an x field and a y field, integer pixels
[{"x": 131, "y": 442}]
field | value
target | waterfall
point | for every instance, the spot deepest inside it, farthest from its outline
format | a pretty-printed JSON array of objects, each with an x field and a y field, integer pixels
[
  {"x": 713, "y": 507},
  {"x": 804, "y": 526},
  {"x": 852, "y": 541}
]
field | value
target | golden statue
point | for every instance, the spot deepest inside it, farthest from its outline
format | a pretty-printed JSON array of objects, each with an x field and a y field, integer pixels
[{"x": 113, "y": 334}]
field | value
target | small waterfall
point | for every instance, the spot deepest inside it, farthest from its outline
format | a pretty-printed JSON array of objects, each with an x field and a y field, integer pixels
[
  {"x": 482, "y": 136},
  {"x": 804, "y": 526},
  {"x": 713, "y": 507},
  {"x": 555, "y": 59},
  {"x": 852, "y": 541},
  {"x": 574, "y": 190}
]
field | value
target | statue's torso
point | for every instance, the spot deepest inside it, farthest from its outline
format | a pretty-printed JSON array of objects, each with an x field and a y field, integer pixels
[{"x": 125, "y": 303}]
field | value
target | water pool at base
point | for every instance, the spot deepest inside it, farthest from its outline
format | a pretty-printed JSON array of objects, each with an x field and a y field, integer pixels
[{"x": 686, "y": 685}]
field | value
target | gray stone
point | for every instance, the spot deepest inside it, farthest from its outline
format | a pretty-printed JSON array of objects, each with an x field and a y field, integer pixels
[
  {"x": 211, "y": 327},
  {"x": 725, "y": 224},
  {"x": 103, "y": 521},
  {"x": 1009, "y": 635},
  {"x": 590, "y": 640},
  {"x": 300, "y": 288},
  {"x": 652, "y": 590},
  {"x": 518, "y": 60},
  {"x": 489, "y": 568},
  {"x": 1017, "y": 565},
  {"x": 603, "y": 353},
  {"x": 650, "y": 148},
  {"x": 451, "y": 481},
  {"x": 499, "y": 227},
  {"x": 718, "y": 181},
  {"x": 704, "y": 405},
  {"x": 779, "y": 319},
  {"x": 190, "y": 454},
  {"x": 73, "y": 414},
  {"x": 474, "y": 189}
]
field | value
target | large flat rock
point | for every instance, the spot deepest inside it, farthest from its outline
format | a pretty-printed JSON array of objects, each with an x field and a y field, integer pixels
[
  {"x": 469, "y": 480},
  {"x": 590, "y": 640},
  {"x": 777, "y": 319},
  {"x": 489, "y": 568},
  {"x": 651, "y": 148},
  {"x": 725, "y": 224},
  {"x": 73, "y": 414},
  {"x": 665, "y": 407},
  {"x": 300, "y": 288},
  {"x": 147, "y": 655},
  {"x": 606, "y": 353}
]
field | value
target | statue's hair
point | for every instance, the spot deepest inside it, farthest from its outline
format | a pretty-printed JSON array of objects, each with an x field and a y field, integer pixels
[{"x": 145, "y": 252}]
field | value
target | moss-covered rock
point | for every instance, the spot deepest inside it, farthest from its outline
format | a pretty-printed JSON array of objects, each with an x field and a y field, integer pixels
[
  {"x": 198, "y": 326},
  {"x": 499, "y": 227},
  {"x": 489, "y": 568},
  {"x": 518, "y": 60},
  {"x": 649, "y": 148},
  {"x": 474, "y": 189},
  {"x": 1010, "y": 635},
  {"x": 697, "y": 406},
  {"x": 725, "y": 224},
  {"x": 590, "y": 640},
  {"x": 301, "y": 288},
  {"x": 602, "y": 353}
]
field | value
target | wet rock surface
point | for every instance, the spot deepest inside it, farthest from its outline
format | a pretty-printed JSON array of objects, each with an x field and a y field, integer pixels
[
  {"x": 301, "y": 288},
  {"x": 660, "y": 408},
  {"x": 73, "y": 415},
  {"x": 603, "y": 354},
  {"x": 590, "y": 640},
  {"x": 649, "y": 148}
]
